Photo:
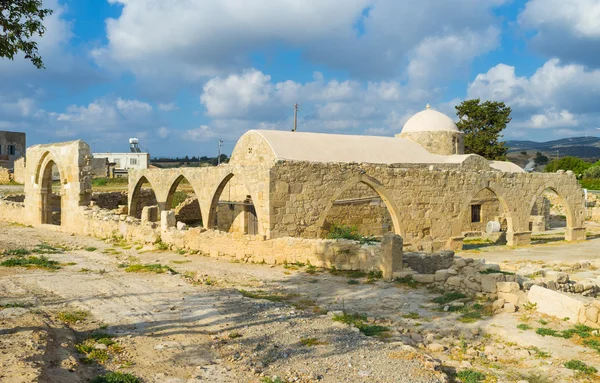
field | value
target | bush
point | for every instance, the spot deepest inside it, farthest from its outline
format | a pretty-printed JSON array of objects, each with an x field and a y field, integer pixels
[
  {"x": 470, "y": 376},
  {"x": 593, "y": 172},
  {"x": 32, "y": 262},
  {"x": 578, "y": 365},
  {"x": 178, "y": 197},
  {"x": 590, "y": 183},
  {"x": 577, "y": 165},
  {"x": 349, "y": 232}
]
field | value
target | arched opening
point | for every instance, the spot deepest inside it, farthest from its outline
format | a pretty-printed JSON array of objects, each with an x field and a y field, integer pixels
[
  {"x": 485, "y": 221},
  {"x": 550, "y": 216},
  {"x": 51, "y": 192},
  {"x": 358, "y": 212},
  {"x": 232, "y": 209},
  {"x": 143, "y": 195},
  {"x": 184, "y": 201}
]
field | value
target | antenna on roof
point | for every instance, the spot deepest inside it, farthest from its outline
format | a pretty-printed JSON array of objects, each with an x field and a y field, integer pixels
[{"x": 295, "y": 117}]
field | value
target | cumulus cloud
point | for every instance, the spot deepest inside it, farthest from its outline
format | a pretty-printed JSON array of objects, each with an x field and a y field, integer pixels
[
  {"x": 368, "y": 38},
  {"x": 556, "y": 96},
  {"x": 168, "y": 107},
  {"x": 567, "y": 29}
]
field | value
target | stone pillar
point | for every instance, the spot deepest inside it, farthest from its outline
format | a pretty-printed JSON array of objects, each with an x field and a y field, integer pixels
[
  {"x": 167, "y": 219},
  {"x": 575, "y": 234},
  {"x": 518, "y": 238},
  {"x": 149, "y": 214},
  {"x": 391, "y": 247}
]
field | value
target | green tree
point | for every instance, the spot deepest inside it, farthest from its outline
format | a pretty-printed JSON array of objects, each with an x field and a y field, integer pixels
[
  {"x": 482, "y": 124},
  {"x": 20, "y": 21},
  {"x": 577, "y": 165},
  {"x": 540, "y": 159}
]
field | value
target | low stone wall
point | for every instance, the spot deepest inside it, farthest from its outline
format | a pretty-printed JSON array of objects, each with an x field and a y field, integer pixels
[
  {"x": 110, "y": 200},
  {"x": 19, "y": 170},
  {"x": 427, "y": 263},
  {"x": 576, "y": 309}
]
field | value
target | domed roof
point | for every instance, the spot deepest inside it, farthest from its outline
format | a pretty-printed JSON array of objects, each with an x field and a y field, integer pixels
[{"x": 429, "y": 120}]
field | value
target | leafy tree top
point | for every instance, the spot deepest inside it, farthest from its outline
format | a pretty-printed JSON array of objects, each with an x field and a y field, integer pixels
[
  {"x": 20, "y": 21},
  {"x": 482, "y": 124},
  {"x": 577, "y": 165}
]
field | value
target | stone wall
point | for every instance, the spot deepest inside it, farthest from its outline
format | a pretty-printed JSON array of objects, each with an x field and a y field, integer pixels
[
  {"x": 5, "y": 176},
  {"x": 19, "y": 170},
  {"x": 438, "y": 142},
  {"x": 360, "y": 207},
  {"x": 188, "y": 211},
  {"x": 491, "y": 210}
]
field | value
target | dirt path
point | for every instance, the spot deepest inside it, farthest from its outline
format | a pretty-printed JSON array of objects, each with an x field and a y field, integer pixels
[{"x": 176, "y": 328}]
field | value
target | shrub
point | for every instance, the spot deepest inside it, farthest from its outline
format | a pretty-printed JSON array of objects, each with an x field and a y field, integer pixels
[
  {"x": 524, "y": 327},
  {"x": 349, "y": 232},
  {"x": 72, "y": 316},
  {"x": 178, "y": 197},
  {"x": 470, "y": 376},
  {"x": 447, "y": 298},
  {"x": 149, "y": 268}
]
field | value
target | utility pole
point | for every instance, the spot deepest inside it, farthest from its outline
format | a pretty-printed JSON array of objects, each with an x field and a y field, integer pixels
[
  {"x": 219, "y": 143},
  {"x": 295, "y": 117}
]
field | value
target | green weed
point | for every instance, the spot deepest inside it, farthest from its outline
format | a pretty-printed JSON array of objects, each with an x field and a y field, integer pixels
[
  {"x": 91, "y": 248},
  {"x": 524, "y": 327},
  {"x": 72, "y": 316},
  {"x": 116, "y": 377},
  {"x": 149, "y": 268},
  {"x": 32, "y": 262},
  {"x": 470, "y": 376},
  {"x": 449, "y": 297},
  {"x": 578, "y": 365}
]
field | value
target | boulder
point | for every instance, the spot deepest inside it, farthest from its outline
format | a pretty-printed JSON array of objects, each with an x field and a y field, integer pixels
[
  {"x": 181, "y": 225},
  {"x": 498, "y": 304},
  {"x": 424, "y": 278},
  {"x": 436, "y": 347},
  {"x": 509, "y": 307},
  {"x": 509, "y": 297},
  {"x": 454, "y": 281},
  {"x": 441, "y": 275}
]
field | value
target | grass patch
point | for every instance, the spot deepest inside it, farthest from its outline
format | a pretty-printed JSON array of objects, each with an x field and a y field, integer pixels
[
  {"x": 17, "y": 252},
  {"x": 261, "y": 295},
  {"x": 492, "y": 271},
  {"x": 93, "y": 354},
  {"x": 181, "y": 262},
  {"x": 407, "y": 281},
  {"x": 470, "y": 376},
  {"x": 16, "y": 305},
  {"x": 539, "y": 353},
  {"x": 44, "y": 248},
  {"x": 580, "y": 330},
  {"x": 160, "y": 245},
  {"x": 524, "y": 327},
  {"x": 91, "y": 248},
  {"x": 149, "y": 268},
  {"x": 592, "y": 343},
  {"x": 234, "y": 335},
  {"x": 72, "y": 316},
  {"x": 311, "y": 342},
  {"x": 274, "y": 379},
  {"x": 116, "y": 377},
  {"x": 449, "y": 297},
  {"x": 32, "y": 262},
  {"x": 411, "y": 316},
  {"x": 578, "y": 365},
  {"x": 353, "y": 282},
  {"x": 359, "y": 321}
]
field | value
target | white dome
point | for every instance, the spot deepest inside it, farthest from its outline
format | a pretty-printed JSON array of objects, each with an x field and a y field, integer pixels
[{"x": 429, "y": 120}]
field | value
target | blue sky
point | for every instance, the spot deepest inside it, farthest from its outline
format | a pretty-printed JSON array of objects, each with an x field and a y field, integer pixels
[{"x": 182, "y": 74}]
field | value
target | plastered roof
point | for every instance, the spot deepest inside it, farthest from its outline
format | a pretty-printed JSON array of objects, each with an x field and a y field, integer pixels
[
  {"x": 429, "y": 120},
  {"x": 321, "y": 147}
]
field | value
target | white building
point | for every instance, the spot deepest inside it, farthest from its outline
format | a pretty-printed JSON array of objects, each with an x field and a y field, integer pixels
[{"x": 135, "y": 159}]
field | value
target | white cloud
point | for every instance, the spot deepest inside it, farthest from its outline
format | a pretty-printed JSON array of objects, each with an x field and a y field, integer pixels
[
  {"x": 167, "y": 107},
  {"x": 198, "y": 39},
  {"x": 579, "y": 17},
  {"x": 200, "y": 134},
  {"x": 567, "y": 29},
  {"x": 556, "y": 96}
]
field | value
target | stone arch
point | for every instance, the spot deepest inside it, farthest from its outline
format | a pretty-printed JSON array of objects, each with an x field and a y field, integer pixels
[
  {"x": 464, "y": 208},
  {"x": 571, "y": 219},
  {"x": 216, "y": 195},
  {"x": 44, "y": 181},
  {"x": 135, "y": 194},
  {"x": 377, "y": 187},
  {"x": 173, "y": 188}
]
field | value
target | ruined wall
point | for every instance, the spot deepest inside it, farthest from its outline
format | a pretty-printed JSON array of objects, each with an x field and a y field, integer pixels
[
  {"x": 428, "y": 205},
  {"x": 360, "y": 207},
  {"x": 188, "y": 211},
  {"x": 491, "y": 210},
  {"x": 16, "y": 140}
]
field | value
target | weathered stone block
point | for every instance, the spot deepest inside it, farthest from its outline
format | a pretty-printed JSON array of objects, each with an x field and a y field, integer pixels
[
  {"x": 509, "y": 297},
  {"x": 454, "y": 281},
  {"x": 442, "y": 275},
  {"x": 425, "y": 263},
  {"x": 424, "y": 278},
  {"x": 167, "y": 219},
  {"x": 591, "y": 314},
  {"x": 555, "y": 303},
  {"x": 507, "y": 287},
  {"x": 575, "y": 234},
  {"x": 489, "y": 281},
  {"x": 149, "y": 214}
]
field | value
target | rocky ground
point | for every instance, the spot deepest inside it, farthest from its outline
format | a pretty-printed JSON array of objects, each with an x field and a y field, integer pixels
[{"x": 210, "y": 320}]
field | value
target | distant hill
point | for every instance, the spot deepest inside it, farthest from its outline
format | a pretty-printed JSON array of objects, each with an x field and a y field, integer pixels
[{"x": 587, "y": 148}]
